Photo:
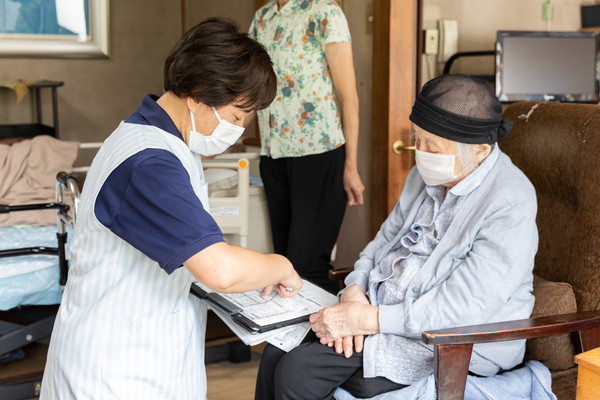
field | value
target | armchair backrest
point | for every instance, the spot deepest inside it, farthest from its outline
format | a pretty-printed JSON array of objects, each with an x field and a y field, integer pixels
[{"x": 557, "y": 145}]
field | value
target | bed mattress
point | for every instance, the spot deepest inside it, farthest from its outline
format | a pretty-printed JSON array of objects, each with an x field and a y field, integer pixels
[{"x": 30, "y": 279}]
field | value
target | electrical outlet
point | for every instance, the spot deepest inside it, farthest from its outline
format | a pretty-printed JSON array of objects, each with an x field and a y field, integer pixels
[{"x": 431, "y": 41}]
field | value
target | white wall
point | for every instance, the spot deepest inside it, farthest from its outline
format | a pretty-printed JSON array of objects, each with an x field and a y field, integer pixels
[{"x": 478, "y": 21}]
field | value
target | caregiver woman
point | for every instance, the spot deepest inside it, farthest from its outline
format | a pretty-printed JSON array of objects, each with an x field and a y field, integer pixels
[{"x": 127, "y": 326}]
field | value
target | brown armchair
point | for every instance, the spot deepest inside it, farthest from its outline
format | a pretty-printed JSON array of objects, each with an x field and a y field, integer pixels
[{"x": 557, "y": 146}]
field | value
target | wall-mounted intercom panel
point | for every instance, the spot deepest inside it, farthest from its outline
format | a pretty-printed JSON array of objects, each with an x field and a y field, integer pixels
[{"x": 448, "y": 39}]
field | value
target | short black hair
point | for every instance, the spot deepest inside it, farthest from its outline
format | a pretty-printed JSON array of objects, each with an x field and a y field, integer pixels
[{"x": 216, "y": 64}]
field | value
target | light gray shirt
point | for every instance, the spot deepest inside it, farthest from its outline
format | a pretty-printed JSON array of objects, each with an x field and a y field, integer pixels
[{"x": 444, "y": 262}]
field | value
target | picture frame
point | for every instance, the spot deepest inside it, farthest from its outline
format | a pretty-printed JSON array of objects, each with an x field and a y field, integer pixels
[{"x": 61, "y": 29}]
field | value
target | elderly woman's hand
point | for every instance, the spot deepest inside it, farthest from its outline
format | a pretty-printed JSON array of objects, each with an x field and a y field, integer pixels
[
  {"x": 345, "y": 319},
  {"x": 354, "y": 293},
  {"x": 348, "y": 345}
]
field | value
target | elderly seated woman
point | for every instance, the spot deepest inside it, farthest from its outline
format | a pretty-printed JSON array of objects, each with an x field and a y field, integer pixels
[{"x": 458, "y": 249}]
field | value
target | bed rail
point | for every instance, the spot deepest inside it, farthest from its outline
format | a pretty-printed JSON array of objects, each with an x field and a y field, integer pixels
[
  {"x": 4, "y": 209},
  {"x": 64, "y": 182},
  {"x": 231, "y": 212}
]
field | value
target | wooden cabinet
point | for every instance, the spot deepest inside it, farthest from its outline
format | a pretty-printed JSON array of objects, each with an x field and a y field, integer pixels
[{"x": 588, "y": 375}]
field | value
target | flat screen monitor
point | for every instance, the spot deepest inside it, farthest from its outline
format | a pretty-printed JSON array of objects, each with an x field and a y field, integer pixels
[{"x": 551, "y": 66}]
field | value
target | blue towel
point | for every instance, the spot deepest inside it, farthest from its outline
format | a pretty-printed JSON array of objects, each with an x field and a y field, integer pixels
[
  {"x": 255, "y": 181},
  {"x": 531, "y": 382},
  {"x": 30, "y": 279}
]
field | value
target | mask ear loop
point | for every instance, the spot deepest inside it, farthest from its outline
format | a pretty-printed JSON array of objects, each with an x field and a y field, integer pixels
[
  {"x": 217, "y": 114},
  {"x": 193, "y": 122}
]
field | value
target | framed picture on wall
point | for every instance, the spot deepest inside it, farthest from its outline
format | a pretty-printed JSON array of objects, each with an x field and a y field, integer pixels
[{"x": 54, "y": 28}]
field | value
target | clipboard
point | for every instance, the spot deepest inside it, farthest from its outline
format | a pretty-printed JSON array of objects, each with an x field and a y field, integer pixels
[{"x": 263, "y": 314}]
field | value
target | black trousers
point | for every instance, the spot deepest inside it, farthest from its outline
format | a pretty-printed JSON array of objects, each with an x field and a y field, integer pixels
[
  {"x": 307, "y": 202},
  {"x": 313, "y": 371}
]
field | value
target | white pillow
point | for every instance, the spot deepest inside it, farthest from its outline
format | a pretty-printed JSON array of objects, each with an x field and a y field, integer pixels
[{"x": 220, "y": 179}]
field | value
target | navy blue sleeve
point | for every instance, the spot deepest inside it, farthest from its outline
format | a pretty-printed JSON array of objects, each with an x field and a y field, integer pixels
[{"x": 149, "y": 202}]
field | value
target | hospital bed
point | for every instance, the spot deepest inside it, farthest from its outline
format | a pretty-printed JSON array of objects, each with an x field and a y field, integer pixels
[
  {"x": 228, "y": 180},
  {"x": 237, "y": 200},
  {"x": 34, "y": 262},
  {"x": 238, "y": 205}
]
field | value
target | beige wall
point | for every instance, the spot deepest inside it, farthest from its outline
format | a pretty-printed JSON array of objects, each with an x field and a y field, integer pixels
[
  {"x": 478, "y": 21},
  {"x": 355, "y": 229},
  {"x": 240, "y": 11},
  {"x": 98, "y": 93}
]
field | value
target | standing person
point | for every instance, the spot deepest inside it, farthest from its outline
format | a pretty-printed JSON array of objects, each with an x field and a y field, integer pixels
[
  {"x": 127, "y": 326},
  {"x": 308, "y": 146}
]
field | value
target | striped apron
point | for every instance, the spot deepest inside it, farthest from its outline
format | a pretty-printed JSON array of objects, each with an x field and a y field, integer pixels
[{"x": 125, "y": 329}]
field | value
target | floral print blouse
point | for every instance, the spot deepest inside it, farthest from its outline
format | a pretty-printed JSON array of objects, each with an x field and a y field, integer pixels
[{"x": 304, "y": 118}]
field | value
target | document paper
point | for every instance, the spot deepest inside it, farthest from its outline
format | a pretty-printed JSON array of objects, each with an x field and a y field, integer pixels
[
  {"x": 285, "y": 338},
  {"x": 272, "y": 310}
]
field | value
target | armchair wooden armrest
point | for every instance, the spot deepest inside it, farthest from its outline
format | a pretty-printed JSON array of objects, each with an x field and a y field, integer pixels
[
  {"x": 339, "y": 274},
  {"x": 452, "y": 347}
]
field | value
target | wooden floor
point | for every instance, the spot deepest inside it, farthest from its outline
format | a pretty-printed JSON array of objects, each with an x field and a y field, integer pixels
[{"x": 227, "y": 381}]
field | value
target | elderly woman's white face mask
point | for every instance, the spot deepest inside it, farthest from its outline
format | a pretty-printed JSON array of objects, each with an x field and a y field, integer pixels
[
  {"x": 436, "y": 169},
  {"x": 437, "y": 159}
]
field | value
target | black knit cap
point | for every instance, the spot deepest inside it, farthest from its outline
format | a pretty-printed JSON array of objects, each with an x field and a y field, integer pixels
[{"x": 460, "y": 108}]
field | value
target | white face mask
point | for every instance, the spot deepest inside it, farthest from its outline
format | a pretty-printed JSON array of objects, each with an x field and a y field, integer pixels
[
  {"x": 224, "y": 135},
  {"x": 435, "y": 169}
]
